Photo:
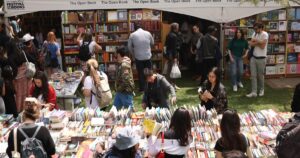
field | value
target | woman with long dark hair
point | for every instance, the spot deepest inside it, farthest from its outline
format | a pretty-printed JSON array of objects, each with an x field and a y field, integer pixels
[
  {"x": 238, "y": 49},
  {"x": 44, "y": 92},
  {"x": 232, "y": 138},
  {"x": 212, "y": 93},
  {"x": 176, "y": 138}
]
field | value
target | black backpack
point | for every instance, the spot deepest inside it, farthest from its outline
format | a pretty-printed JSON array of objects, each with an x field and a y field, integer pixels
[
  {"x": 288, "y": 139},
  {"x": 84, "y": 51}
]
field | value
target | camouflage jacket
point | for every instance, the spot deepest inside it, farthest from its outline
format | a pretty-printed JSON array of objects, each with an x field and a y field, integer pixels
[{"x": 124, "y": 78}]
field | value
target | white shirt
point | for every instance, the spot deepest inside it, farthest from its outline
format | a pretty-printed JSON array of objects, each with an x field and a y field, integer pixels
[
  {"x": 139, "y": 43},
  {"x": 258, "y": 52},
  {"x": 91, "y": 46},
  {"x": 171, "y": 146},
  {"x": 89, "y": 85}
]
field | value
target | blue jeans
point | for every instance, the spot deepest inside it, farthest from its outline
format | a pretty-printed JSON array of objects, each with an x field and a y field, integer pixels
[
  {"x": 140, "y": 66},
  {"x": 123, "y": 100},
  {"x": 236, "y": 70}
]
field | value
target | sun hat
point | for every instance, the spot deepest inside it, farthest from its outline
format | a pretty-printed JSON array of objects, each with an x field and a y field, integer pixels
[
  {"x": 126, "y": 139},
  {"x": 27, "y": 37}
]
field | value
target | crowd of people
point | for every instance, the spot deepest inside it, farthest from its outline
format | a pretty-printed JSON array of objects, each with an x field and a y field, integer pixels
[{"x": 158, "y": 90}]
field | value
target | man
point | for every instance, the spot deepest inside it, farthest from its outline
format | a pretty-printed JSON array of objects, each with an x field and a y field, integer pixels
[
  {"x": 139, "y": 44},
  {"x": 157, "y": 91},
  {"x": 124, "y": 83},
  {"x": 258, "y": 60},
  {"x": 209, "y": 53},
  {"x": 195, "y": 66},
  {"x": 173, "y": 44}
]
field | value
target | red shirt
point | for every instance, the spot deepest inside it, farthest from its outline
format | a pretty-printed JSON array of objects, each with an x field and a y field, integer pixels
[{"x": 51, "y": 96}]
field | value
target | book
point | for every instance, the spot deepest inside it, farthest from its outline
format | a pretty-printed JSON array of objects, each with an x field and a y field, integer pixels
[
  {"x": 291, "y": 13},
  {"x": 280, "y": 69},
  {"x": 122, "y": 14},
  {"x": 281, "y": 49},
  {"x": 112, "y": 16},
  {"x": 297, "y": 48},
  {"x": 279, "y": 59},
  {"x": 147, "y": 14},
  {"x": 295, "y": 26},
  {"x": 290, "y": 48},
  {"x": 282, "y": 25},
  {"x": 291, "y": 68},
  {"x": 276, "y": 48},
  {"x": 271, "y": 59},
  {"x": 297, "y": 16},
  {"x": 273, "y": 26},
  {"x": 270, "y": 70},
  {"x": 292, "y": 58},
  {"x": 282, "y": 15}
]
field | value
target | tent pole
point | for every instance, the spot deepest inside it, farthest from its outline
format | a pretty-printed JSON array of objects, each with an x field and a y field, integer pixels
[{"x": 222, "y": 48}]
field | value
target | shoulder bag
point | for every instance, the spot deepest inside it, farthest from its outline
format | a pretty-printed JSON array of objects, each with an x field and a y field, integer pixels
[
  {"x": 15, "y": 153},
  {"x": 30, "y": 68},
  {"x": 161, "y": 153}
]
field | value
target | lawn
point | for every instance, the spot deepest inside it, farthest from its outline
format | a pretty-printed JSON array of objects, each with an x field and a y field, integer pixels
[{"x": 277, "y": 99}]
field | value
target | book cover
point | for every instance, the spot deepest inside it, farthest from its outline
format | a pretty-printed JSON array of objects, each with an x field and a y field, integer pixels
[
  {"x": 291, "y": 13},
  {"x": 291, "y": 68},
  {"x": 290, "y": 48},
  {"x": 264, "y": 16},
  {"x": 156, "y": 15},
  {"x": 271, "y": 59},
  {"x": 282, "y": 14},
  {"x": 295, "y": 26},
  {"x": 290, "y": 37},
  {"x": 147, "y": 14},
  {"x": 243, "y": 22},
  {"x": 122, "y": 15},
  {"x": 276, "y": 48},
  {"x": 279, "y": 59},
  {"x": 299, "y": 58},
  {"x": 273, "y": 26},
  {"x": 298, "y": 68},
  {"x": 292, "y": 58},
  {"x": 112, "y": 16},
  {"x": 281, "y": 49},
  {"x": 270, "y": 70},
  {"x": 297, "y": 48},
  {"x": 282, "y": 25},
  {"x": 280, "y": 69},
  {"x": 270, "y": 49},
  {"x": 297, "y": 16}
]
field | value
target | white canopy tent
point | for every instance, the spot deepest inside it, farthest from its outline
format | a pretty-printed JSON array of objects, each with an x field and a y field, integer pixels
[{"x": 220, "y": 11}]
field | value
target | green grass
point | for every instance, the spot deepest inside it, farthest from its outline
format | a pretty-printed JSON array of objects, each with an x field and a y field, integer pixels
[{"x": 277, "y": 99}]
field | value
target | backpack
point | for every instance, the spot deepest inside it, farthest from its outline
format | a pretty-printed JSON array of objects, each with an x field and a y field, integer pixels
[
  {"x": 288, "y": 138},
  {"x": 103, "y": 92},
  {"x": 32, "y": 146},
  {"x": 84, "y": 51}
]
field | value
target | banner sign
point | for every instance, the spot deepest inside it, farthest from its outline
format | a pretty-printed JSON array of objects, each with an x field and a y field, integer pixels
[{"x": 50, "y": 5}]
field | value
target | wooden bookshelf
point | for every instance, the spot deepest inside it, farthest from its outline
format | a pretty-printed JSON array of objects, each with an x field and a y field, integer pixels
[{"x": 110, "y": 33}]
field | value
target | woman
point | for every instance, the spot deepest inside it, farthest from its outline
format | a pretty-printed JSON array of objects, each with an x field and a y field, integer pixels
[
  {"x": 126, "y": 145},
  {"x": 176, "y": 139},
  {"x": 89, "y": 88},
  {"x": 43, "y": 91},
  {"x": 238, "y": 49},
  {"x": 17, "y": 61},
  {"x": 231, "y": 138},
  {"x": 30, "y": 50},
  {"x": 212, "y": 93},
  {"x": 8, "y": 91},
  {"x": 51, "y": 51},
  {"x": 92, "y": 45},
  {"x": 29, "y": 128}
]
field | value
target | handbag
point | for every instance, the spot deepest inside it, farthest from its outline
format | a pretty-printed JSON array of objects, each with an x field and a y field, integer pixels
[
  {"x": 15, "y": 153},
  {"x": 30, "y": 67},
  {"x": 161, "y": 153}
]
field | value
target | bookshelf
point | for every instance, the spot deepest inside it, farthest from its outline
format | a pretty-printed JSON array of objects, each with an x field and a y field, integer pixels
[{"x": 111, "y": 29}]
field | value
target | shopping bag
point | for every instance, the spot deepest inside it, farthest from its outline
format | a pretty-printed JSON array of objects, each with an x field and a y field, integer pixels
[
  {"x": 165, "y": 69},
  {"x": 175, "y": 72}
]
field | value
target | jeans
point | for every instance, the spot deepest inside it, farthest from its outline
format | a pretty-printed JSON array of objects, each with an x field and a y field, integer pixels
[
  {"x": 123, "y": 100},
  {"x": 236, "y": 70},
  {"x": 257, "y": 69},
  {"x": 140, "y": 66}
]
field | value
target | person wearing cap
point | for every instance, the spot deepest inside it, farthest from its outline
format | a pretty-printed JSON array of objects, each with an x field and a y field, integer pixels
[
  {"x": 126, "y": 146},
  {"x": 209, "y": 53},
  {"x": 30, "y": 49},
  {"x": 157, "y": 91}
]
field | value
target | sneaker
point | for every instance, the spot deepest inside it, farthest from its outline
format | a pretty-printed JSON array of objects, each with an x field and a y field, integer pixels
[
  {"x": 251, "y": 95},
  {"x": 261, "y": 93},
  {"x": 241, "y": 85},
  {"x": 235, "y": 88}
]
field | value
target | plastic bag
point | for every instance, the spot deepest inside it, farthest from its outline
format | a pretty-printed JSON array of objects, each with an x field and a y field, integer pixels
[
  {"x": 165, "y": 70},
  {"x": 175, "y": 72}
]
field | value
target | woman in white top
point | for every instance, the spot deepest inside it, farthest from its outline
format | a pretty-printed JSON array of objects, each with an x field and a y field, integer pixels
[
  {"x": 176, "y": 139},
  {"x": 93, "y": 47},
  {"x": 89, "y": 86}
]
